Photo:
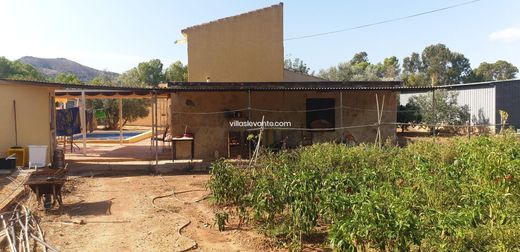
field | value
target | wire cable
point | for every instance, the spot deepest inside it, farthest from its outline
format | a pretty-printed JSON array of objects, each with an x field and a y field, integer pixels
[
  {"x": 384, "y": 21},
  {"x": 292, "y": 111},
  {"x": 440, "y": 125}
]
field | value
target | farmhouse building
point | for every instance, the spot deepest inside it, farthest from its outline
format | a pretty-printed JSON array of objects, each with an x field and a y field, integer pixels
[{"x": 236, "y": 73}]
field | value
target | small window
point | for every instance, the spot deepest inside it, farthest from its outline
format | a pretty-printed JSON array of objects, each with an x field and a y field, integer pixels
[{"x": 321, "y": 113}]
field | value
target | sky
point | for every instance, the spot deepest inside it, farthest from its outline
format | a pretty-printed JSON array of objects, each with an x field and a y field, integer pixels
[{"x": 116, "y": 35}]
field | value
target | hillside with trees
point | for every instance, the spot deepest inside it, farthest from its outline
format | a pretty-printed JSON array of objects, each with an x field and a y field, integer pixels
[
  {"x": 52, "y": 67},
  {"x": 18, "y": 70}
]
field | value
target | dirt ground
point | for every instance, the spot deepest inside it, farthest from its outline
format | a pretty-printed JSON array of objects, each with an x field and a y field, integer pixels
[{"x": 117, "y": 214}]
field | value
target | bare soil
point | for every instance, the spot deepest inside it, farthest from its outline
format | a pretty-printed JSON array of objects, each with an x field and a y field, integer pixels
[{"x": 117, "y": 214}]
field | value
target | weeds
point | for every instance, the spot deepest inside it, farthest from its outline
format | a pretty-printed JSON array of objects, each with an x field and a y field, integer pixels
[{"x": 221, "y": 219}]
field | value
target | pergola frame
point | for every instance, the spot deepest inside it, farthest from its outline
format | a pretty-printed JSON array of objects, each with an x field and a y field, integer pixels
[{"x": 86, "y": 94}]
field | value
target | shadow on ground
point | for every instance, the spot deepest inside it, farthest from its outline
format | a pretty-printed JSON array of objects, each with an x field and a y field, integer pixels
[{"x": 82, "y": 208}]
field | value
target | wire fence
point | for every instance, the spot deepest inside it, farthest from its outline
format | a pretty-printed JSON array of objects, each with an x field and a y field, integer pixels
[
  {"x": 368, "y": 125},
  {"x": 371, "y": 125},
  {"x": 290, "y": 111}
]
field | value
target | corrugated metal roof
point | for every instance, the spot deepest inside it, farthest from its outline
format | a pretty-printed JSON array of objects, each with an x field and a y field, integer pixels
[
  {"x": 483, "y": 83},
  {"x": 173, "y": 87},
  {"x": 319, "y": 86},
  {"x": 283, "y": 86},
  {"x": 100, "y": 91},
  {"x": 70, "y": 86}
]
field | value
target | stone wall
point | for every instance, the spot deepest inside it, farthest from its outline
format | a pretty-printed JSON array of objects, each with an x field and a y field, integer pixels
[{"x": 211, "y": 130}]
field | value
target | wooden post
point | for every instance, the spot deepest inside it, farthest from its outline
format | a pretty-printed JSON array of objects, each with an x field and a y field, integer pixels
[
  {"x": 379, "y": 121},
  {"x": 53, "y": 143},
  {"x": 120, "y": 120},
  {"x": 249, "y": 118},
  {"x": 83, "y": 119},
  {"x": 15, "y": 124},
  {"x": 469, "y": 127},
  {"x": 379, "y": 110},
  {"x": 257, "y": 149},
  {"x": 378, "y": 128},
  {"x": 341, "y": 109},
  {"x": 434, "y": 113}
]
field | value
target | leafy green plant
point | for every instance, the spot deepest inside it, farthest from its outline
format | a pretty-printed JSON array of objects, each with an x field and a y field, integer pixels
[
  {"x": 448, "y": 196},
  {"x": 221, "y": 219}
]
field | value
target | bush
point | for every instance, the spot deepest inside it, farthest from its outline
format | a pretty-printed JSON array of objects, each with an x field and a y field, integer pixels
[{"x": 446, "y": 110}]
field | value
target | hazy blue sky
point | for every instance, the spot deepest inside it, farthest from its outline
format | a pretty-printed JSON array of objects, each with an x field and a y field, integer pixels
[{"x": 117, "y": 35}]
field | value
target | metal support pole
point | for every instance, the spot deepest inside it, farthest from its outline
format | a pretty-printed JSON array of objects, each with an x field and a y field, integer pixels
[
  {"x": 155, "y": 126},
  {"x": 83, "y": 119},
  {"x": 120, "y": 120}
]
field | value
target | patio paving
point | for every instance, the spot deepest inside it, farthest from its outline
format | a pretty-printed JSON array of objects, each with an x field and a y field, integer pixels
[
  {"x": 115, "y": 152},
  {"x": 131, "y": 157}
]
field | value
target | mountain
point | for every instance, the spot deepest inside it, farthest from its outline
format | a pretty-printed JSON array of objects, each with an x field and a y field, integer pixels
[{"x": 51, "y": 67}]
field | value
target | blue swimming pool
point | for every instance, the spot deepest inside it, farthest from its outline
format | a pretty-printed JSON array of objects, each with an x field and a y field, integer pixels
[{"x": 110, "y": 135}]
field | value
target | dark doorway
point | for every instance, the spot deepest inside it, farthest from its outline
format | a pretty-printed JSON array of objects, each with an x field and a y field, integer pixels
[{"x": 321, "y": 113}]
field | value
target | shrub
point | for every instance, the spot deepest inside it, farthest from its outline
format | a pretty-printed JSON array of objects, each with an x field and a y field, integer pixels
[{"x": 461, "y": 194}]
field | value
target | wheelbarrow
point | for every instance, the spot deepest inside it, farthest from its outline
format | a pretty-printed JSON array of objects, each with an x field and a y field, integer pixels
[{"x": 47, "y": 184}]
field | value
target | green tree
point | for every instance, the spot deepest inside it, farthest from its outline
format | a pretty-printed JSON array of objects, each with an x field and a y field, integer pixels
[
  {"x": 370, "y": 72},
  {"x": 444, "y": 110},
  {"x": 360, "y": 61},
  {"x": 391, "y": 68},
  {"x": 176, "y": 72},
  {"x": 130, "y": 78},
  {"x": 410, "y": 113},
  {"x": 500, "y": 70},
  {"x": 435, "y": 59},
  {"x": 104, "y": 79},
  {"x": 341, "y": 72},
  {"x": 412, "y": 64},
  {"x": 67, "y": 78},
  {"x": 296, "y": 65},
  {"x": 358, "y": 58},
  {"x": 150, "y": 72},
  {"x": 413, "y": 71},
  {"x": 459, "y": 69},
  {"x": 360, "y": 69},
  {"x": 347, "y": 72},
  {"x": 133, "y": 109},
  {"x": 18, "y": 70},
  {"x": 437, "y": 65}
]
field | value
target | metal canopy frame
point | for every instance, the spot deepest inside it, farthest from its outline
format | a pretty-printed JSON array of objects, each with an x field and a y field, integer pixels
[{"x": 114, "y": 94}]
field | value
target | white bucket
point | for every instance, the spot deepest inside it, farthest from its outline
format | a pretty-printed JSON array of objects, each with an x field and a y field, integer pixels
[{"x": 37, "y": 155}]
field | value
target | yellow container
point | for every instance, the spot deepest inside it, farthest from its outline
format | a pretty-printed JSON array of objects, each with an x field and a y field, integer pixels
[{"x": 21, "y": 155}]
